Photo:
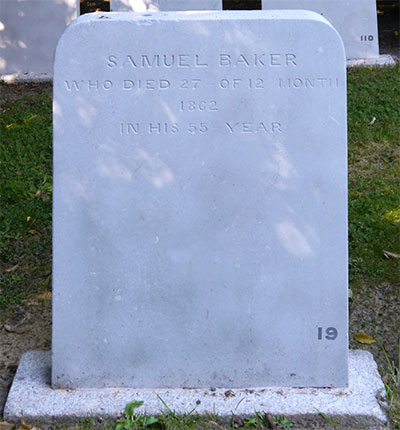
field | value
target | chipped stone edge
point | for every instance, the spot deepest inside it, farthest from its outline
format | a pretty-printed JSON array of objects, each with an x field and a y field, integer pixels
[{"x": 32, "y": 398}]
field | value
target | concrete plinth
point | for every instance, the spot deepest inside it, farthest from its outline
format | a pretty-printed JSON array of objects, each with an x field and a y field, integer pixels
[
  {"x": 382, "y": 60},
  {"x": 32, "y": 398}
]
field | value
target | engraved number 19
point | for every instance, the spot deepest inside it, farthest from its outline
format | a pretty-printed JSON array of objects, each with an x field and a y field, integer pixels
[{"x": 331, "y": 333}]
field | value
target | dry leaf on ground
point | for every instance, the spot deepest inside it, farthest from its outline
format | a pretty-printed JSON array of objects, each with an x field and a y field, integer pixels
[
  {"x": 15, "y": 329},
  {"x": 4, "y": 425},
  {"x": 364, "y": 338},
  {"x": 24, "y": 426},
  {"x": 11, "y": 269},
  {"x": 388, "y": 254}
]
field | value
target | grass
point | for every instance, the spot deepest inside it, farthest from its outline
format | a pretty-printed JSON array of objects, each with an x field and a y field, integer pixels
[
  {"x": 374, "y": 204},
  {"x": 374, "y": 174},
  {"x": 391, "y": 379},
  {"x": 25, "y": 197}
]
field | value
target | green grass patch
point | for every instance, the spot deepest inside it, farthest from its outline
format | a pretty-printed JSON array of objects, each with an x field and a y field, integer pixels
[
  {"x": 25, "y": 197},
  {"x": 374, "y": 173}
]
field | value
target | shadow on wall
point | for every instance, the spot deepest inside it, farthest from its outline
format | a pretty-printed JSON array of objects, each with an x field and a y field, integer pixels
[{"x": 29, "y": 31}]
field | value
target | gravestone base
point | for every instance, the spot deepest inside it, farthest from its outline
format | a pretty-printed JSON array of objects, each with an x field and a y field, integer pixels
[{"x": 359, "y": 405}]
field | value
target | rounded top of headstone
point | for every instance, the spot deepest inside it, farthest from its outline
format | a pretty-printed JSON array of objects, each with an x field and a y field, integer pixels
[{"x": 151, "y": 18}]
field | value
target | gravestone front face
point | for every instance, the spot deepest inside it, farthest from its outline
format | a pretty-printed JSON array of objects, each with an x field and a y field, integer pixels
[
  {"x": 160, "y": 5},
  {"x": 29, "y": 31},
  {"x": 355, "y": 20},
  {"x": 200, "y": 235}
]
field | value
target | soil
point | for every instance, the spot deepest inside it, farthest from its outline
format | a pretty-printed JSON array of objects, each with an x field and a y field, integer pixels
[{"x": 28, "y": 328}]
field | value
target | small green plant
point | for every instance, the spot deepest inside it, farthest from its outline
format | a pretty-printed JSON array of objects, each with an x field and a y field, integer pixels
[
  {"x": 329, "y": 420},
  {"x": 254, "y": 422},
  {"x": 133, "y": 421},
  {"x": 173, "y": 421},
  {"x": 282, "y": 422},
  {"x": 262, "y": 421}
]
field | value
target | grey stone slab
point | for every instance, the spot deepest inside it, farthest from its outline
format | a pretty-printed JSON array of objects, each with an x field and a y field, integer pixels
[
  {"x": 355, "y": 20},
  {"x": 32, "y": 398},
  {"x": 29, "y": 31},
  {"x": 200, "y": 201},
  {"x": 163, "y": 5}
]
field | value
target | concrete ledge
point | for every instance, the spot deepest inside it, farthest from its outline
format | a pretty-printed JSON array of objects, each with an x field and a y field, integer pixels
[
  {"x": 15, "y": 78},
  {"x": 382, "y": 60},
  {"x": 31, "y": 397}
]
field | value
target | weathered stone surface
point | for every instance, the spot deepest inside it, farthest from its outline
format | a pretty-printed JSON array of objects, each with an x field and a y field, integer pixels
[
  {"x": 200, "y": 201},
  {"x": 357, "y": 406},
  {"x": 29, "y": 31}
]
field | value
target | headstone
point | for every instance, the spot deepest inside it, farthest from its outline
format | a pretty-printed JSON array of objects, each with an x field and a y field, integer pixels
[
  {"x": 355, "y": 20},
  {"x": 29, "y": 31},
  {"x": 161, "y": 5},
  {"x": 200, "y": 201}
]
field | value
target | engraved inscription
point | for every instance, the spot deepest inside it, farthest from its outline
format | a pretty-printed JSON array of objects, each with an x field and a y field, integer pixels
[
  {"x": 232, "y": 127},
  {"x": 254, "y": 127},
  {"x": 90, "y": 85},
  {"x": 246, "y": 71},
  {"x": 162, "y": 128},
  {"x": 235, "y": 83},
  {"x": 187, "y": 84},
  {"x": 146, "y": 84},
  {"x": 365, "y": 38},
  {"x": 198, "y": 106},
  {"x": 331, "y": 333},
  {"x": 257, "y": 60},
  {"x": 157, "y": 61},
  {"x": 308, "y": 83},
  {"x": 132, "y": 128}
]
